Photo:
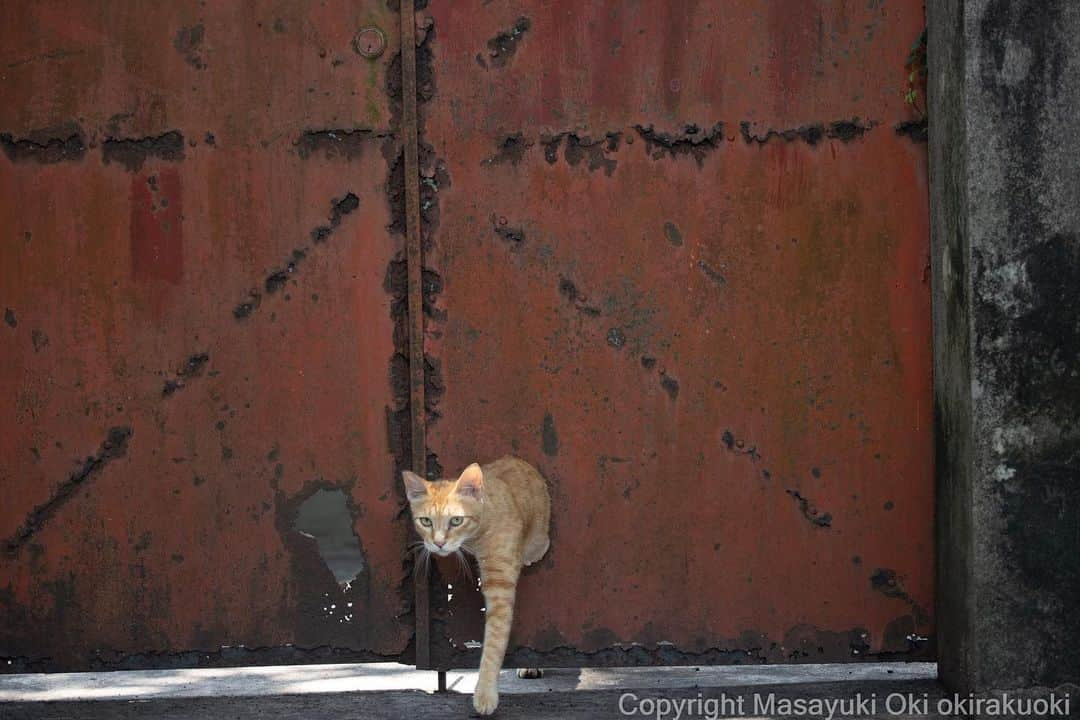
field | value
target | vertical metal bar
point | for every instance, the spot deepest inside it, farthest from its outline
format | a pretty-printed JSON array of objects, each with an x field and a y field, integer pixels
[
  {"x": 415, "y": 264},
  {"x": 442, "y": 681}
]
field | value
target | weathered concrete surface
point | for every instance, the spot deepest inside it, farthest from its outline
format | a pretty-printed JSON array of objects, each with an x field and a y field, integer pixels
[
  {"x": 419, "y": 705},
  {"x": 142, "y": 685},
  {"x": 1005, "y": 179}
]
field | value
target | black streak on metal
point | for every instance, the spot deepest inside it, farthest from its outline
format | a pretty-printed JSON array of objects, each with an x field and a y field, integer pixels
[
  {"x": 193, "y": 367},
  {"x": 692, "y": 140},
  {"x": 114, "y": 446},
  {"x": 46, "y": 146},
  {"x": 336, "y": 143},
  {"x": 276, "y": 279},
  {"x": 711, "y": 273},
  {"x": 9, "y": 318},
  {"x": 810, "y": 511},
  {"x": 133, "y": 152},
  {"x": 503, "y": 46},
  {"x": 549, "y": 438}
]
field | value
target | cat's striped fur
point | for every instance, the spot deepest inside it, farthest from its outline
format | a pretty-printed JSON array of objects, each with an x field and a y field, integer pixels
[{"x": 500, "y": 514}]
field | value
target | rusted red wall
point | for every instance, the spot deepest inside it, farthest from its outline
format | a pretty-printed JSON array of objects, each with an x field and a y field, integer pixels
[
  {"x": 715, "y": 342},
  {"x": 124, "y": 263}
]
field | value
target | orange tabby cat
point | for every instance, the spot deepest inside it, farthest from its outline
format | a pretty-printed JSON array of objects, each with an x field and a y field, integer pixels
[{"x": 499, "y": 513}]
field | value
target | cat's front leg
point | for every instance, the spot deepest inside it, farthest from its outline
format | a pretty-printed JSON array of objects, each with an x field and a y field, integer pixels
[{"x": 500, "y": 585}]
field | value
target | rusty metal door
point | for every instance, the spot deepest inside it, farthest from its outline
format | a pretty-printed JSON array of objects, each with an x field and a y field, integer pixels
[
  {"x": 671, "y": 252},
  {"x": 679, "y": 261},
  {"x": 197, "y": 237}
]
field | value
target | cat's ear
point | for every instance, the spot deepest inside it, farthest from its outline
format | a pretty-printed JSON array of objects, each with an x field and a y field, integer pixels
[
  {"x": 471, "y": 482},
  {"x": 415, "y": 487}
]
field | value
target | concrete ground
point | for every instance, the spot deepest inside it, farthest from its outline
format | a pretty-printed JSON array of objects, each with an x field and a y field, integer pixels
[{"x": 391, "y": 691}]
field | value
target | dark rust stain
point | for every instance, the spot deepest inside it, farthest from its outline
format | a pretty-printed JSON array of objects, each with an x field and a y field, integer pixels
[
  {"x": 344, "y": 143},
  {"x": 511, "y": 150},
  {"x": 114, "y": 446},
  {"x": 889, "y": 584},
  {"x": 514, "y": 236},
  {"x": 916, "y": 130},
  {"x": 193, "y": 367},
  {"x": 188, "y": 42},
  {"x": 277, "y": 278},
  {"x": 503, "y": 46},
  {"x": 63, "y": 143},
  {"x": 692, "y": 140},
  {"x": 549, "y": 437},
  {"x": 811, "y": 134},
  {"x": 810, "y": 511},
  {"x": 133, "y": 152}
]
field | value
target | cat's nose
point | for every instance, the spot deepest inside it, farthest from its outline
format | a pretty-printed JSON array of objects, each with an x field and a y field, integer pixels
[{"x": 440, "y": 543}]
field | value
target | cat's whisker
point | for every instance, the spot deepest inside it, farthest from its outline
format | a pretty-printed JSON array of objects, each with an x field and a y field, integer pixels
[{"x": 466, "y": 568}]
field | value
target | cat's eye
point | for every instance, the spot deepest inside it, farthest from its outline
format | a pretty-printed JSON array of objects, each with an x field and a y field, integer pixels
[
  {"x": 426, "y": 522},
  {"x": 456, "y": 520}
]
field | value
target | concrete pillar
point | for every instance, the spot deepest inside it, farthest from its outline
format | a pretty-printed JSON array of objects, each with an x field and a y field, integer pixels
[{"x": 1004, "y": 99}]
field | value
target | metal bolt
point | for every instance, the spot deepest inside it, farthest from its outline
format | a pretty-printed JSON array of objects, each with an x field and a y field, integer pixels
[{"x": 369, "y": 42}]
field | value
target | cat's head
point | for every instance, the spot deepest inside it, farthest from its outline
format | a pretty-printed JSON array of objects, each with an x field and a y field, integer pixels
[{"x": 446, "y": 513}]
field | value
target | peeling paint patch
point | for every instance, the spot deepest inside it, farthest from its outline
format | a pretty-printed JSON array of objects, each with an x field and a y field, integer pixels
[
  {"x": 336, "y": 143},
  {"x": 64, "y": 143},
  {"x": 578, "y": 149},
  {"x": 114, "y": 446},
  {"x": 691, "y": 140},
  {"x": 810, "y": 511},
  {"x": 847, "y": 130},
  {"x": 503, "y": 46},
  {"x": 811, "y": 134},
  {"x": 510, "y": 150},
  {"x": 133, "y": 152}
]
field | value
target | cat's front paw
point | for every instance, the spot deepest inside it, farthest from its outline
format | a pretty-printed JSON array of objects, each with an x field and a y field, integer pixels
[{"x": 485, "y": 700}]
